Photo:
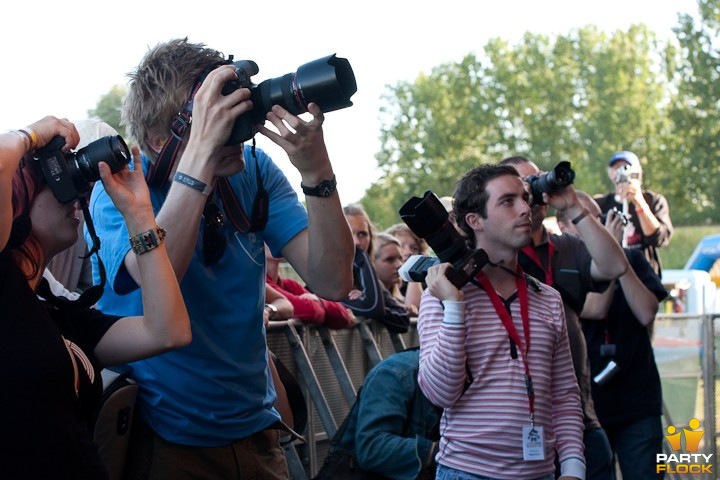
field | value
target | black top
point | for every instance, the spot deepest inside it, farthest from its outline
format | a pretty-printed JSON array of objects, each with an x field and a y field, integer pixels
[
  {"x": 634, "y": 391},
  {"x": 636, "y": 239},
  {"x": 48, "y": 398}
]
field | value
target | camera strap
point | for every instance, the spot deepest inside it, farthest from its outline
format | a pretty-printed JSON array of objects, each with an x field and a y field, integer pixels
[{"x": 235, "y": 213}]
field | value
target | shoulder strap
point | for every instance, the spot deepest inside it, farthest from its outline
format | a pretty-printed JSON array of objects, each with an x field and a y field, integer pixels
[{"x": 341, "y": 431}]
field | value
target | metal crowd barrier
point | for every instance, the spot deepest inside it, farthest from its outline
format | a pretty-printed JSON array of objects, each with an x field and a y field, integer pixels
[
  {"x": 685, "y": 349},
  {"x": 330, "y": 366}
]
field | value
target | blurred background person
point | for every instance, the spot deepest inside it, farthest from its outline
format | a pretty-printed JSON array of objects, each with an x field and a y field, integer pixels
[
  {"x": 367, "y": 299},
  {"x": 649, "y": 227},
  {"x": 410, "y": 244}
]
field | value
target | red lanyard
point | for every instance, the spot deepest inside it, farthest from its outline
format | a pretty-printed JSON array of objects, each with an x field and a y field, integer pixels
[
  {"x": 529, "y": 250},
  {"x": 507, "y": 322}
]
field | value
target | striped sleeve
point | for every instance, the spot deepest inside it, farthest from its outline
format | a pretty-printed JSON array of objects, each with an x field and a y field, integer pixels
[
  {"x": 443, "y": 360},
  {"x": 566, "y": 407}
]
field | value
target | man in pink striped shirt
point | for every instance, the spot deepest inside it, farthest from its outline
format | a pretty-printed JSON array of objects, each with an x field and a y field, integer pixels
[{"x": 495, "y": 354}]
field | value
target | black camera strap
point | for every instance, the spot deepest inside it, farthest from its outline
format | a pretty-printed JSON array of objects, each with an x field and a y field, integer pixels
[{"x": 235, "y": 213}]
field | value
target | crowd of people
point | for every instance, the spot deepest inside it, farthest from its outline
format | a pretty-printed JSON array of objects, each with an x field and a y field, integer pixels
[{"x": 539, "y": 367}]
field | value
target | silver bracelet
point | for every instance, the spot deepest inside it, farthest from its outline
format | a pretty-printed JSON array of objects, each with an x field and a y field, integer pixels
[{"x": 192, "y": 182}]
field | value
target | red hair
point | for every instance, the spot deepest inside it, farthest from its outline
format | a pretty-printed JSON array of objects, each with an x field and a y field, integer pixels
[{"x": 26, "y": 184}]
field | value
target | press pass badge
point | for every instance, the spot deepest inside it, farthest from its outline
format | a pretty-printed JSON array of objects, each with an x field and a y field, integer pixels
[{"x": 533, "y": 443}]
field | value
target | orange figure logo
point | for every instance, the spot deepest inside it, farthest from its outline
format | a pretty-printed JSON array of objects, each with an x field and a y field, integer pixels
[{"x": 692, "y": 437}]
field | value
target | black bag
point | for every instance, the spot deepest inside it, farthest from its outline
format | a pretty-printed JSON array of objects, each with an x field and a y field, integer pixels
[{"x": 341, "y": 465}]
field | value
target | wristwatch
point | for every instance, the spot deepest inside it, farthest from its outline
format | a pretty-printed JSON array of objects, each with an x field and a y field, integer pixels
[
  {"x": 273, "y": 310},
  {"x": 323, "y": 189}
]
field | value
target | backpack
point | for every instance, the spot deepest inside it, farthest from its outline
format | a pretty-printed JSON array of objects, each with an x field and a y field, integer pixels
[{"x": 114, "y": 421}]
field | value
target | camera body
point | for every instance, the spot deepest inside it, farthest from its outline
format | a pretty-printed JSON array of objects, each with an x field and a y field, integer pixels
[
  {"x": 329, "y": 82},
  {"x": 560, "y": 176},
  {"x": 618, "y": 213},
  {"x": 428, "y": 219},
  {"x": 626, "y": 173},
  {"x": 71, "y": 175}
]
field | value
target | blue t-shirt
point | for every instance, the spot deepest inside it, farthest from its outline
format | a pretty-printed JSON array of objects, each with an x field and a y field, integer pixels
[{"x": 217, "y": 389}]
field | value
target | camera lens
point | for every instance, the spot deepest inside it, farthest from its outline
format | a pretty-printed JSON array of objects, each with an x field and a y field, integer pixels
[
  {"x": 111, "y": 150},
  {"x": 560, "y": 176},
  {"x": 327, "y": 81},
  {"x": 428, "y": 219}
]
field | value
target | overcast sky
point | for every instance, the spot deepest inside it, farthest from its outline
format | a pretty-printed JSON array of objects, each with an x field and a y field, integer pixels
[{"x": 59, "y": 58}]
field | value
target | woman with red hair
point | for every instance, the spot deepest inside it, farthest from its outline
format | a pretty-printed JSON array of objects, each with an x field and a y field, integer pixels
[{"x": 52, "y": 350}]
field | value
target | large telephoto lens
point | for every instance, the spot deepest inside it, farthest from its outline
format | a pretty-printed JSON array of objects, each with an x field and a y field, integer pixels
[
  {"x": 329, "y": 82},
  {"x": 110, "y": 149},
  {"x": 428, "y": 219}
]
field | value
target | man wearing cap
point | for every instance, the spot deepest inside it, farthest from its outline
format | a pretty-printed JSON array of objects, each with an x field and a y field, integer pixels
[{"x": 649, "y": 226}]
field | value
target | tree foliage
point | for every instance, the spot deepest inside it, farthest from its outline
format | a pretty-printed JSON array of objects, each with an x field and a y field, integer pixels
[
  {"x": 108, "y": 109},
  {"x": 578, "y": 97}
]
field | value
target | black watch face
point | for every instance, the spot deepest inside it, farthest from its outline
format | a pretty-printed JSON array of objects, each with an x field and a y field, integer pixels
[{"x": 325, "y": 189}]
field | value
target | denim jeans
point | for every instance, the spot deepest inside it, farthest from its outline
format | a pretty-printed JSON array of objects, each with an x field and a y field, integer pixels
[
  {"x": 598, "y": 455},
  {"x": 635, "y": 445},
  {"x": 447, "y": 473}
]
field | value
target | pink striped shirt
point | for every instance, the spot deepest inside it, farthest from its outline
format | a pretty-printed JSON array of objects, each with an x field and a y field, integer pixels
[{"x": 482, "y": 428}]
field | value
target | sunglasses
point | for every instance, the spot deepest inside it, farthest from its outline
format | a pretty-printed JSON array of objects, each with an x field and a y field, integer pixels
[{"x": 214, "y": 242}]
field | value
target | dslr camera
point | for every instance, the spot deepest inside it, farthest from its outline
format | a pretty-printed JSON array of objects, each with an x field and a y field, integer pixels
[
  {"x": 560, "y": 176},
  {"x": 329, "y": 82},
  {"x": 428, "y": 219},
  {"x": 71, "y": 175}
]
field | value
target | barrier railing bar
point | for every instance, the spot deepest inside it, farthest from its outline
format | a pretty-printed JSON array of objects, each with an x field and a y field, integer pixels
[
  {"x": 310, "y": 380},
  {"x": 338, "y": 365},
  {"x": 371, "y": 346},
  {"x": 398, "y": 342}
]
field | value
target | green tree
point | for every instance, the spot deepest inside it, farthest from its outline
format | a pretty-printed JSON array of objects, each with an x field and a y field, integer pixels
[
  {"x": 577, "y": 97},
  {"x": 693, "y": 178},
  {"x": 108, "y": 109}
]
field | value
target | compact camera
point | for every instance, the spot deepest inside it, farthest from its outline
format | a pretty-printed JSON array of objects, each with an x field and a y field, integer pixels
[
  {"x": 71, "y": 175},
  {"x": 618, "y": 213},
  {"x": 626, "y": 173},
  {"x": 329, "y": 82},
  {"x": 560, "y": 176},
  {"x": 428, "y": 219}
]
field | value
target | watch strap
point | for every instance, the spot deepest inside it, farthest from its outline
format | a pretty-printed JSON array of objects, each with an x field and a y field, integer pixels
[{"x": 322, "y": 189}]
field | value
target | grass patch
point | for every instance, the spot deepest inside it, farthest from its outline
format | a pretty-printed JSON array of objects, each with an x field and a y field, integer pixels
[{"x": 683, "y": 244}]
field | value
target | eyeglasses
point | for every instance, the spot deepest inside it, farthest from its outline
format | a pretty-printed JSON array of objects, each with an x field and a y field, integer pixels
[{"x": 214, "y": 242}]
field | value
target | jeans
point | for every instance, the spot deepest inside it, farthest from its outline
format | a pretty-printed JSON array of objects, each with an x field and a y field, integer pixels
[
  {"x": 635, "y": 445},
  {"x": 447, "y": 473},
  {"x": 598, "y": 455}
]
